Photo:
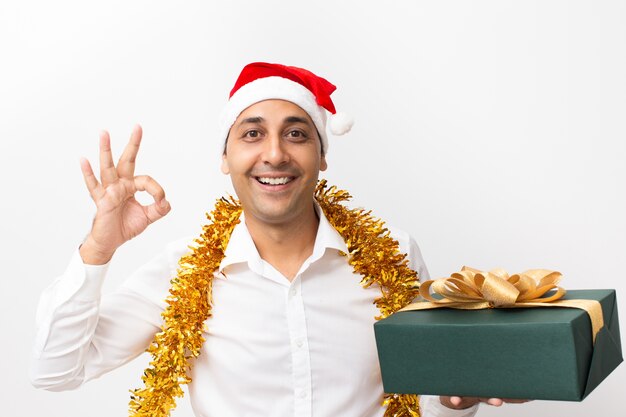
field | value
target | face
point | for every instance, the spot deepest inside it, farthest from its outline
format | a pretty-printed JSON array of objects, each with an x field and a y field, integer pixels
[{"x": 273, "y": 156}]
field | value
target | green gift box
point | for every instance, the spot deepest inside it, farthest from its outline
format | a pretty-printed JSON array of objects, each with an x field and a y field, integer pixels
[{"x": 526, "y": 353}]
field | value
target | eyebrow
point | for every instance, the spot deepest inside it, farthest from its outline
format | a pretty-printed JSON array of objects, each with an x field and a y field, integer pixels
[
  {"x": 288, "y": 119},
  {"x": 252, "y": 120},
  {"x": 296, "y": 119}
]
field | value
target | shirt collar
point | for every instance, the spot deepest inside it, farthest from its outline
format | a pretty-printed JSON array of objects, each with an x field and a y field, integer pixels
[
  {"x": 327, "y": 237},
  {"x": 241, "y": 247}
]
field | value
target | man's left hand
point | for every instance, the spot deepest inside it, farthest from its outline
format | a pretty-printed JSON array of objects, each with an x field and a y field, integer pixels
[{"x": 459, "y": 403}]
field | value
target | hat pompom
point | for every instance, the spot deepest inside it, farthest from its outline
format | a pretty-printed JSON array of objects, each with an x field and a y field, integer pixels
[{"x": 340, "y": 123}]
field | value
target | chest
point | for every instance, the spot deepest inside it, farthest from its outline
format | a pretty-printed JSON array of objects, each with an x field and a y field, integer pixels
[{"x": 324, "y": 309}]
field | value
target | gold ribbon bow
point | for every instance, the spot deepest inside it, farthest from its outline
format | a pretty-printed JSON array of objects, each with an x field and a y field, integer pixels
[{"x": 472, "y": 289}]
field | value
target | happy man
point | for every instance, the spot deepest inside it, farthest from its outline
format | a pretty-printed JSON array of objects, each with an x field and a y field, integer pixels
[{"x": 289, "y": 327}]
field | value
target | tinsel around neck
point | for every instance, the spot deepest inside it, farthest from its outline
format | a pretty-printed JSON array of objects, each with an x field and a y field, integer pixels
[{"x": 372, "y": 252}]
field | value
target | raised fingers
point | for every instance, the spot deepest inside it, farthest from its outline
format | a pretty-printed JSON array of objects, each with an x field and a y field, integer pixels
[
  {"x": 126, "y": 163},
  {"x": 108, "y": 173},
  {"x": 94, "y": 187}
]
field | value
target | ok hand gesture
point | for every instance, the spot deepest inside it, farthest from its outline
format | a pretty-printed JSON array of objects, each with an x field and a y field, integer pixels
[{"x": 119, "y": 216}]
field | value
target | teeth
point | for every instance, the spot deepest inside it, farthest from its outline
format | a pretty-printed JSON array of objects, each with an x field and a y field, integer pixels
[{"x": 274, "y": 181}]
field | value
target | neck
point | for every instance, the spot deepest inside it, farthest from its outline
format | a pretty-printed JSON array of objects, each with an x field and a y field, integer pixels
[{"x": 287, "y": 245}]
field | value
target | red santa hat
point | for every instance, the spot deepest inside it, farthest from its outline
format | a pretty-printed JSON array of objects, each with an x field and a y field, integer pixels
[{"x": 262, "y": 81}]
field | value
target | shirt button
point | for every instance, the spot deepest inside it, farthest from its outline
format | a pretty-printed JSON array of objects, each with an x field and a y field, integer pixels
[
  {"x": 293, "y": 292},
  {"x": 301, "y": 394},
  {"x": 299, "y": 343}
]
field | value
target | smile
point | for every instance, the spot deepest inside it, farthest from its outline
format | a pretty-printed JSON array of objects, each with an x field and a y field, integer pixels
[{"x": 274, "y": 181}]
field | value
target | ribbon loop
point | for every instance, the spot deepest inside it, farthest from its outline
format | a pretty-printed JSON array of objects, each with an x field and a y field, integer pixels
[{"x": 498, "y": 291}]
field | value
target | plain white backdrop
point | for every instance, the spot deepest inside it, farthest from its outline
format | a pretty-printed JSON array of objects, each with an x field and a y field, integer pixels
[{"x": 493, "y": 131}]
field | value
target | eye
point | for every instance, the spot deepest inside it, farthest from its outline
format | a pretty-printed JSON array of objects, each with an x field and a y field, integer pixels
[
  {"x": 252, "y": 133},
  {"x": 296, "y": 134}
]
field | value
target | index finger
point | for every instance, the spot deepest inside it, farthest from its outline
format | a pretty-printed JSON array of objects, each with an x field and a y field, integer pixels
[{"x": 126, "y": 163}]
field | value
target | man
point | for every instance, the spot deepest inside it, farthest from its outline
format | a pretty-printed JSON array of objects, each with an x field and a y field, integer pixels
[{"x": 289, "y": 327}]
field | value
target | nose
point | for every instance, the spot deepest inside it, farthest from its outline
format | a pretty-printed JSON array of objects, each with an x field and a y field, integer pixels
[{"x": 274, "y": 151}]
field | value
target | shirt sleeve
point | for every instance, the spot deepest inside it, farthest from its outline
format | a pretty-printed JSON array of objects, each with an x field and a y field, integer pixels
[
  {"x": 416, "y": 261},
  {"x": 82, "y": 334},
  {"x": 408, "y": 245}
]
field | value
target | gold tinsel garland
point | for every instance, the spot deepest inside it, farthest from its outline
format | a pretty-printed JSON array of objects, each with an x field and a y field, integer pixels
[{"x": 372, "y": 252}]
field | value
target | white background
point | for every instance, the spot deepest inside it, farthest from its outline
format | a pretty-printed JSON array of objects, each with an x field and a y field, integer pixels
[{"x": 493, "y": 131}]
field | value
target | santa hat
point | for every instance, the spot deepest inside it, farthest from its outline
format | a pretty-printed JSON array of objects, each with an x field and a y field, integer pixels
[{"x": 262, "y": 81}]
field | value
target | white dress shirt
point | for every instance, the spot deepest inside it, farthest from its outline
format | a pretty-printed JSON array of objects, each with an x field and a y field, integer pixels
[{"x": 275, "y": 348}]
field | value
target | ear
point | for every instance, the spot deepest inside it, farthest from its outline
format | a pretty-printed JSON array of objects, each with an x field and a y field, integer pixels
[
  {"x": 225, "y": 168},
  {"x": 323, "y": 164}
]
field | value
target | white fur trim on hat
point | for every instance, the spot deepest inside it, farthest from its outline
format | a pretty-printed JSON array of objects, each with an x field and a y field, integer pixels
[{"x": 273, "y": 88}]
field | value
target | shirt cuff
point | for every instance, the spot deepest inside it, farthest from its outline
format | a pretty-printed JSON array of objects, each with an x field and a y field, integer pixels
[
  {"x": 80, "y": 282},
  {"x": 432, "y": 407}
]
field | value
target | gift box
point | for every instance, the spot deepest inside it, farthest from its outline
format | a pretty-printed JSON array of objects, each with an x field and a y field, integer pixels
[{"x": 526, "y": 353}]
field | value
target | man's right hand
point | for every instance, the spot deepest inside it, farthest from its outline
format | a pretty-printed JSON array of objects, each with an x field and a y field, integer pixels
[{"x": 119, "y": 216}]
